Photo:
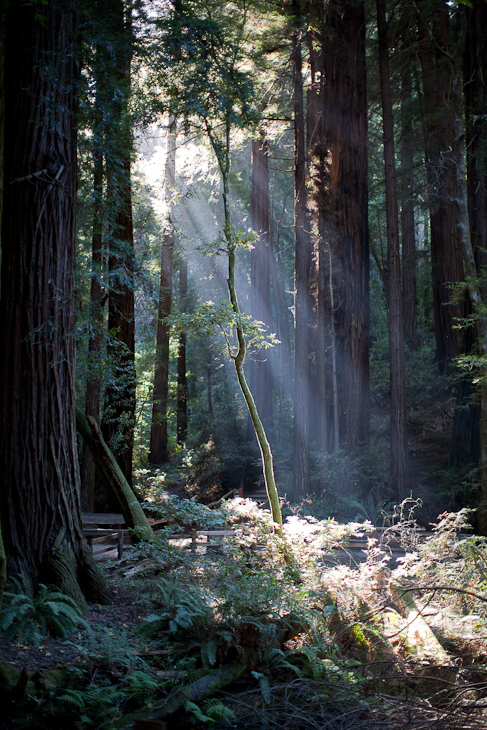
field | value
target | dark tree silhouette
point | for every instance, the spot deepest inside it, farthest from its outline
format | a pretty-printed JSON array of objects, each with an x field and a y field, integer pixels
[{"x": 39, "y": 474}]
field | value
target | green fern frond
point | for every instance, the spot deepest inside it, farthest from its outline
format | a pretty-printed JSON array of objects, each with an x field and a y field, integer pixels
[{"x": 33, "y": 615}]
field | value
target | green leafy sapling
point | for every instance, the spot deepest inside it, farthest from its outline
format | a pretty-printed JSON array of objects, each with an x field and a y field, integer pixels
[{"x": 202, "y": 69}]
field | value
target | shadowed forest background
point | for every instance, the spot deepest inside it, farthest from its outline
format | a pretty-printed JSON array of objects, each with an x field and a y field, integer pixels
[{"x": 243, "y": 251}]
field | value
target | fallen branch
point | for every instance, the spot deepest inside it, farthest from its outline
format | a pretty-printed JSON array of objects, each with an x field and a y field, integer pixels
[
  {"x": 453, "y": 589},
  {"x": 203, "y": 687},
  {"x": 419, "y": 632}
]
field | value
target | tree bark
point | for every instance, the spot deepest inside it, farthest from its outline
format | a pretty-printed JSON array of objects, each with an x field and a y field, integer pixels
[
  {"x": 96, "y": 335},
  {"x": 320, "y": 389},
  {"x": 302, "y": 268},
  {"x": 261, "y": 381},
  {"x": 399, "y": 449},
  {"x": 39, "y": 474},
  {"x": 442, "y": 175},
  {"x": 475, "y": 87},
  {"x": 345, "y": 223},
  {"x": 408, "y": 239},
  {"x": 182, "y": 398},
  {"x": 158, "y": 452},
  {"x": 3, "y": 558},
  {"x": 119, "y": 409}
]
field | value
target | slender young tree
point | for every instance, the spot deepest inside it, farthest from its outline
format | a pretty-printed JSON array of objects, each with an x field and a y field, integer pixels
[
  {"x": 199, "y": 64},
  {"x": 39, "y": 474},
  {"x": 393, "y": 280},
  {"x": 158, "y": 453}
]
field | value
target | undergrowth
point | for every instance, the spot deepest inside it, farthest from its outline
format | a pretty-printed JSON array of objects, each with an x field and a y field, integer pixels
[{"x": 337, "y": 636}]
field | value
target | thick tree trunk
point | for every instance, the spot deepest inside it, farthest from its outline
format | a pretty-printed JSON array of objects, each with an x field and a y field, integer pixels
[
  {"x": 182, "y": 398},
  {"x": 3, "y": 559},
  {"x": 345, "y": 224},
  {"x": 3, "y": 13},
  {"x": 442, "y": 174},
  {"x": 302, "y": 268},
  {"x": 119, "y": 410},
  {"x": 398, "y": 411},
  {"x": 475, "y": 87},
  {"x": 158, "y": 452},
  {"x": 261, "y": 381},
  {"x": 39, "y": 475}
]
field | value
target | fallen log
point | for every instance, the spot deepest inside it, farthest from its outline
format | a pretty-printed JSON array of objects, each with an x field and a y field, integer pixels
[
  {"x": 202, "y": 687},
  {"x": 419, "y": 632}
]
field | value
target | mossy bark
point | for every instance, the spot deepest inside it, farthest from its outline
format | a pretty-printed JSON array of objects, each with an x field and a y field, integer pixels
[
  {"x": 202, "y": 687},
  {"x": 239, "y": 356},
  {"x": 77, "y": 575},
  {"x": 419, "y": 633},
  {"x": 132, "y": 511}
]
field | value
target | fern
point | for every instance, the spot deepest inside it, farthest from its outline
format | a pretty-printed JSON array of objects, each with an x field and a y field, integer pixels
[
  {"x": 96, "y": 705},
  {"x": 213, "y": 711},
  {"x": 32, "y": 615}
]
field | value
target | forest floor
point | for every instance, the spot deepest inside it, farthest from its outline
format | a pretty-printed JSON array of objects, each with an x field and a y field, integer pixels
[
  {"x": 341, "y": 648},
  {"x": 367, "y": 665}
]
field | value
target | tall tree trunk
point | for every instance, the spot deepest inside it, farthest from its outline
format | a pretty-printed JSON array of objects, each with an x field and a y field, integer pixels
[
  {"x": 39, "y": 475},
  {"x": 475, "y": 86},
  {"x": 3, "y": 9},
  {"x": 261, "y": 381},
  {"x": 320, "y": 390},
  {"x": 119, "y": 409},
  {"x": 182, "y": 398},
  {"x": 158, "y": 453},
  {"x": 93, "y": 378},
  {"x": 393, "y": 293},
  {"x": 302, "y": 267},
  {"x": 408, "y": 238},
  {"x": 345, "y": 224},
  {"x": 441, "y": 154}
]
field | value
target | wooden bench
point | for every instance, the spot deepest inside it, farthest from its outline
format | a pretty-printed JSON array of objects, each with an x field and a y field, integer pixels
[{"x": 118, "y": 530}]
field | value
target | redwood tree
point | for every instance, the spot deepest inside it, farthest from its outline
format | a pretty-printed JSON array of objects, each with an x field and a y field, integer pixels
[
  {"x": 182, "y": 398},
  {"x": 345, "y": 224},
  {"x": 158, "y": 453},
  {"x": 441, "y": 150},
  {"x": 302, "y": 270},
  {"x": 261, "y": 259},
  {"x": 39, "y": 475},
  {"x": 393, "y": 280},
  {"x": 119, "y": 408}
]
